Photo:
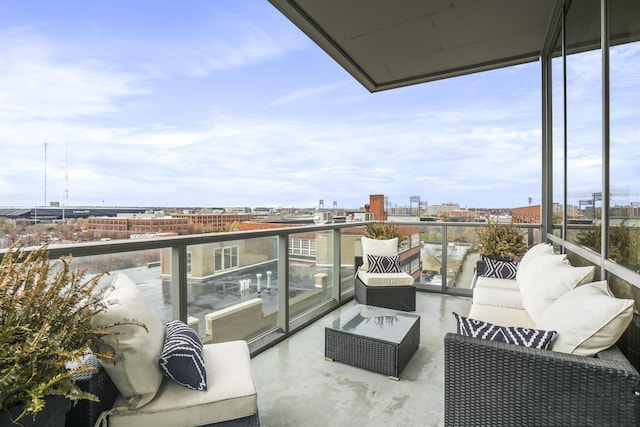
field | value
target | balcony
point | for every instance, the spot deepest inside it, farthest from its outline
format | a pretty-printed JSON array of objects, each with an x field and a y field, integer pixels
[{"x": 277, "y": 289}]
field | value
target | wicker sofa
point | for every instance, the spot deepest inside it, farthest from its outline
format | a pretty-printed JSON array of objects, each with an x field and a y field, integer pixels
[{"x": 580, "y": 379}]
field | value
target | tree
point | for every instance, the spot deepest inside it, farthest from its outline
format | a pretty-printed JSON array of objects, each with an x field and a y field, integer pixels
[{"x": 619, "y": 242}]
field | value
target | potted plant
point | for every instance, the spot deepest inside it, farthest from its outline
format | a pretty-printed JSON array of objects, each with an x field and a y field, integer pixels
[
  {"x": 500, "y": 242},
  {"x": 381, "y": 230},
  {"x": 45, "y": 323}
]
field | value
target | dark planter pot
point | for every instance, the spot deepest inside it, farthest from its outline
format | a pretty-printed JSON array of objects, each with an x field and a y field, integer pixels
[
  {"x": 52, "y": 415},
  {"x": 480, "y": 268}
]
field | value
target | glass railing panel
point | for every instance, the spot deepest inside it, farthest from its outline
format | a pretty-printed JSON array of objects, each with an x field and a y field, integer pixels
[
  {"x": 431, "y": 257},
  {"x": 350, "y": 247},
  {"x": 462, "y": 255},
  {"x": 448, "y": 256},
  {"x": 628, "y": 343},
  {"x": 232, "y": 288},
  {"x": 143, "y": 267},
  {"x": 450, "y": 251},
  {"x": 232, "y": 284},
  {"x": 311, "y": 278},
  {"x": 585, "y": 235}
]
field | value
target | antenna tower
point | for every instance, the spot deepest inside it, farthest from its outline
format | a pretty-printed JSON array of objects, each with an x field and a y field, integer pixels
[
  {"x": 65, "y": 196},
  {"x": 45, "y": 172}
]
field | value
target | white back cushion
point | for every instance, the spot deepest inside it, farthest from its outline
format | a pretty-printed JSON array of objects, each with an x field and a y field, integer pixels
[
  {"x": 551, "y": 282},
  {"x": 533, "y": 252},
  {"x": 377, "y": 247},
  {"x": 529, "y": 278},
  {"x": 135, "y": 372},
  {"x": 588, "y": 319}
]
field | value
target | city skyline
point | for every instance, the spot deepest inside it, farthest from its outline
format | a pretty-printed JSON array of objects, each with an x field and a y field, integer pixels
[{"x": 228, "y": 104}]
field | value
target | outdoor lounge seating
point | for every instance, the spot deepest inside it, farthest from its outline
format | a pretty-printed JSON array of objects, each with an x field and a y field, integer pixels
[
  {"x": 195, "y": 385},
  {"x": 397, "y": 297},
  {"x": 494, "y": 383},
  {"x": 540, "y": 350}
]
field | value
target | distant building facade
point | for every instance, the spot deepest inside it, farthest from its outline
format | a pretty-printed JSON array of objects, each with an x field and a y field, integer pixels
[
  {"x": 125, "y": 226},
  {"x": 200, "y": 223}
]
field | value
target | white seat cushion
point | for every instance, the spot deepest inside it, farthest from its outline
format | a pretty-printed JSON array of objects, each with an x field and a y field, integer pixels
[
  {"x": 231, "y": 393},
  {"x": 502, "y": 316},
  {"x": 499, "y": 297},
  {"x": 494, "y": 282},
  {"x": 386, "y": 279}
]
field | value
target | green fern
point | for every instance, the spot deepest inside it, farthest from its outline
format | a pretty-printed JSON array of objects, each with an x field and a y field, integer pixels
[{"x": 45, "y": 323}]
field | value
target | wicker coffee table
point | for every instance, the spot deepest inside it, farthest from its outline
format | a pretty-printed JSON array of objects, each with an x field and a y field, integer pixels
[{"x": 374, "y": 338}]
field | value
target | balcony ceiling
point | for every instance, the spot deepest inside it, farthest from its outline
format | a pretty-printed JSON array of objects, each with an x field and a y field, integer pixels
[{"x": 387, "y": 44}]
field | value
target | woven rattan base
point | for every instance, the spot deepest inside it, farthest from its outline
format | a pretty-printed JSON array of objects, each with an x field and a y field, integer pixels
[
  {"x": 377, "y": 354},
  {"x": 394, "y": 297}
]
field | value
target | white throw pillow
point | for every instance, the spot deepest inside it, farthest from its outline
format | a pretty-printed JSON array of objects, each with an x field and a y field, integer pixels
[
  {"x": 533, "y": 252},
  {"x": 588, "y": 319},
  {"x": 136, "y": 372},
  {"x": 377, "y": 247},
  {"x": 529, "y": 279},
  {"x": 553, "y": 281}
]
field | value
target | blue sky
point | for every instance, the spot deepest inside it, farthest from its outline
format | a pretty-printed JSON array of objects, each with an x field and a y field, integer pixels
[{"x": 226, "y": 103}]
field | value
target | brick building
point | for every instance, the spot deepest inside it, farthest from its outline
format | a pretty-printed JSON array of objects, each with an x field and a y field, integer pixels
[
  {"x": 203, "y": 223},
  {"x": 123, "y": 227}
]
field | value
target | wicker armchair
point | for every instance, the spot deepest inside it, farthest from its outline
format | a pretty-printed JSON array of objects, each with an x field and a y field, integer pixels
[
  {"x": 85, "y": 413},
  {"x": 497, "y": 384},
  {"x": 395, "y": 297}
]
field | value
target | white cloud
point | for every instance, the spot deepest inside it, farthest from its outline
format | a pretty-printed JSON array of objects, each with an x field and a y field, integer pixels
[
  {"x": 165, "y": 118},
  {"x": 38, "y": 82},
  {"x": 299, "y": 94}
]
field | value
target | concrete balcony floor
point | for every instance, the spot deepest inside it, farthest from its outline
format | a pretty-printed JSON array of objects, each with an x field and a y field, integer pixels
[{"x": 298, "y": 387}]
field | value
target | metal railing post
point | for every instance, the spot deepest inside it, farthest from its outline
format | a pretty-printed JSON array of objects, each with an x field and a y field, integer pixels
[
  {"x": 445, "y": 246},
  {"x": 283, "y": 282},
  {"x": 179, "y": 282},
  {"x": 337, "y": 262}
]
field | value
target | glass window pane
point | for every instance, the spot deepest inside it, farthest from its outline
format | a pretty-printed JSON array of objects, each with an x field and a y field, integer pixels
[
  {"x": 624, "y": 226},
  {"x": 557, "y": 89},
  {"x": 584, "y": 123}
]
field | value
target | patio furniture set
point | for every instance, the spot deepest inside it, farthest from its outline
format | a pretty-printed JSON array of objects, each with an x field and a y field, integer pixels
[
  {"x": 540, "y": 349},
  {"x": 164, "y": 376},
  {"x": 537, "y": 348},
  {"x": 377, "y": 334}
]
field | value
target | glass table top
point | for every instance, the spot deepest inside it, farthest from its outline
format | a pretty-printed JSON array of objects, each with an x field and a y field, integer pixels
[{"x": 376, "y": 322}]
